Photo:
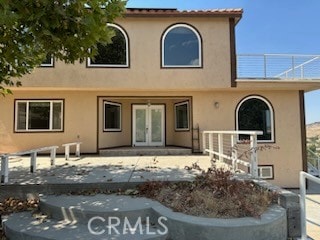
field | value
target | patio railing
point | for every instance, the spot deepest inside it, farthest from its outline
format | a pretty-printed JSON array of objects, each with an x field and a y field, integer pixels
[
  {"x": 313, "y": 163},
  {"x": 278, "y": 66},
  {"x": 303, "y": 217},
  {"x": 33, "y": 160},
  {"x": 33, "y": 153},
  {"x": 236, "y": 148},
  {"x": 67, "y": 149}
]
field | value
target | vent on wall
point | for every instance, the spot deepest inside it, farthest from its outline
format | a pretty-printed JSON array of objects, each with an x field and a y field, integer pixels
[{"x": 265, "y": 171}]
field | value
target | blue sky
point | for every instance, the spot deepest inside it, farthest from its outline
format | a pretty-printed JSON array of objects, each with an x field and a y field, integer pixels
[{"x": 267, "y": 26}]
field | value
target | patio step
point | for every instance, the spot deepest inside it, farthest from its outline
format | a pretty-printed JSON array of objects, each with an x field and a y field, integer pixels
[
  {"x": 69, "y": 217},
  {"x": 117, "y": 217},
  {"x": 82, "y": 208},
  {"x": 145, "y": 151}
]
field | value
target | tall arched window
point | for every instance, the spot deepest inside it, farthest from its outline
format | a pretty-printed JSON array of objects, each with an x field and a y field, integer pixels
[
  {"x": 256, "y": 113},
  {"x": 115, "y": 54},
  {"x": 181, "y": 47}
]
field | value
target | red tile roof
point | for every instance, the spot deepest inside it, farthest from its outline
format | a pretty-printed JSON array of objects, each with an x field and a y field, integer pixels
[{"x": 172, "y": 12}]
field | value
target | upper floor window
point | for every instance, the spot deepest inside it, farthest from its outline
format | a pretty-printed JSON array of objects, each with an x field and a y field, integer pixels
[
  {"x": 256, "y": 113},
  {"x": 39, "y": 115},
  {"x": 115, "y": 54},
  {"x": 181, "y": 47},
  {"x": 48, "y": 62}
]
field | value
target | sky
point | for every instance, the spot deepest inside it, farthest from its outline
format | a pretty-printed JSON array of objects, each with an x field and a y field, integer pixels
[{"x": 267, "y": 26}]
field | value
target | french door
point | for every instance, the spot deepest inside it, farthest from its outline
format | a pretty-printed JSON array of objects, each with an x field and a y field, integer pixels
[{"x": 148, "y": 125}]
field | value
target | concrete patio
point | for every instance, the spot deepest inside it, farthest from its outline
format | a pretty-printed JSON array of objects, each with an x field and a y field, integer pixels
[
  {"x": 87, "y": 172},
  {"x": 99, "y": 169},
  {"x": 94, "y": 171}
]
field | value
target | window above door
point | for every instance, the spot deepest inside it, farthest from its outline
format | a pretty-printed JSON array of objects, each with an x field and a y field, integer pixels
[{"x": 181, "y": 47}]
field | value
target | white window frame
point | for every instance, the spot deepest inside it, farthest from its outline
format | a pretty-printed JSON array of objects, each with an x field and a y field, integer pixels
[
  {"x": 27, "y": 116},
  {"x": 271, "y": 116},
  {"x": 270, "y": 167},
  {"x": 51, "y": 64},
  {"x": 175, "y": 116},
  {"x": 199, "y": 41},
  {"x": 104, "y": 117},
  {"x": 127, "y": 51}
]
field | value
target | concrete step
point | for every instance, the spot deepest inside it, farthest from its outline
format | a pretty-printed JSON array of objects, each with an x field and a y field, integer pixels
[
  {"x": 145, "y": 151},
  {"x": 69, "y": 217},
  {"x": 112, "y": 217},
  {"x": 81, "y": 209},
  {"x": 24, "y": 226}
]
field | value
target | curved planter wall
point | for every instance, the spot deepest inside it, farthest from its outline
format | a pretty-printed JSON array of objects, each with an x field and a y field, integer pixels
[
  {"x": 271, "y": 225},
  {"x": 78, "y": 210}
]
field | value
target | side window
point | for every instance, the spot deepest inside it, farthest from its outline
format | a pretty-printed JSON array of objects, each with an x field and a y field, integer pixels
[
  {"x": 256, "y": 113},
  {"x": 115, "y": 54},
  {"x": 181, "y": 116},
  {"x": 266, "y": 171},
  {"x": 38, "y": 115},
  {"x": 181, "y": 47},
  {"x": 48, "y": 62},
  {"x": 112, "y": 117}
]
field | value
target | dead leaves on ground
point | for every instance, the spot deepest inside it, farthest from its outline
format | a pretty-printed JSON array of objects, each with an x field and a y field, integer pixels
[{"x": 12, "y": 205}]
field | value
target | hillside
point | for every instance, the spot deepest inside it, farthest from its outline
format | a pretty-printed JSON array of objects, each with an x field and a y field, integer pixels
[{"x": 313, "y": 129}]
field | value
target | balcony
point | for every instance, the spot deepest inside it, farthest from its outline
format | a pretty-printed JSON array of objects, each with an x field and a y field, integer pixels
[{"x": 278, "y": 67}]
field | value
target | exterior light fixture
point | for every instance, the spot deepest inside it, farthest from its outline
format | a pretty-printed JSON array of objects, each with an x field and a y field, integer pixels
[{"x": 216, "y": 104}]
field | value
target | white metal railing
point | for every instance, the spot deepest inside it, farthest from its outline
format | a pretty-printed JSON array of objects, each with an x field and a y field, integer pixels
[
  {"x": 278, "y": 66},
  {"x": 313, "y": 163},
  {"x": 33, "y": 157},
  {"x": 67, "y": 149},
  {"x": 303, "y": 216},
  {"x": 33, "y": 160},
  {"x": 227, "y": 147}
]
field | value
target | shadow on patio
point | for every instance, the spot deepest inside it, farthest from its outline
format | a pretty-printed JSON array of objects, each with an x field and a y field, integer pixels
[{"x": 97, "y": 172}]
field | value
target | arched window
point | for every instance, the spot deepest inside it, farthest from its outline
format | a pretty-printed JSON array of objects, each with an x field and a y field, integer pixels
[
  {"x": 256, "y": 113},
  {"x": 181, "y": 47},
  {"x": 115, "y": 54}
]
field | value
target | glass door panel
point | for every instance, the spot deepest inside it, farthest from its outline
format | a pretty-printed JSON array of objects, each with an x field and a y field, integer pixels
[
  {"x": 148, "y": 125},
  {"x": 156, "y": 125},
  {"x": 141, "y": 126}
]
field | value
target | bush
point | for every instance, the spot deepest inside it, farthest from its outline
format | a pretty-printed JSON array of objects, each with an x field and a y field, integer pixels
[{"x": 213, "y": 193}]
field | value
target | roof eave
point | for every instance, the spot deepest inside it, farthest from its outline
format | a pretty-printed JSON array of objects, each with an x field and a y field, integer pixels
[{"x": 229, "y": 13}]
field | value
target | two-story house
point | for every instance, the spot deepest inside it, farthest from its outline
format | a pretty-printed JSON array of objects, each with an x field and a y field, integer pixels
[{"x": 166, "y": 72}]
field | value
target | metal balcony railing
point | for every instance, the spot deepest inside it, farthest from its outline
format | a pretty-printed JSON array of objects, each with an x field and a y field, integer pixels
[
  {"x": 278, "y": 66},
  {"x": 313, "y": 163},
  {"x": 304, "y": 218}
]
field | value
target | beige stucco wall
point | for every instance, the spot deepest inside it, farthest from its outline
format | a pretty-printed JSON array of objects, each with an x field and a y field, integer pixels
[
  {"x": 288, "y": 159},
  {"x": 81, "y": 123},
  {"x": 124, "y": 137},
  {"x": 145, "y": 61}
]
